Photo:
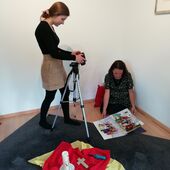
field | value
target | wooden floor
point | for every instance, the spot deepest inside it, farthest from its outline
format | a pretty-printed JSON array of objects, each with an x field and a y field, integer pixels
[{"x": 11, "y": 123}]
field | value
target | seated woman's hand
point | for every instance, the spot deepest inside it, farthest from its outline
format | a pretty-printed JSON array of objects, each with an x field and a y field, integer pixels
[
  {"x": 133, "y": 109},
  {"x": 104, "y": 114}
]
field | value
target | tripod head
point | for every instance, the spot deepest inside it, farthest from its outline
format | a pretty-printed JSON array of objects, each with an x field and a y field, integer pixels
[
  {"x": 75, "y": 65},
  {"x": 75, "y": 68}
]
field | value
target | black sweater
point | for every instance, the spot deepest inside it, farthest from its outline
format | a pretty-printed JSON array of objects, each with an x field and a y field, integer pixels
[{"x": 48, "y": 42}]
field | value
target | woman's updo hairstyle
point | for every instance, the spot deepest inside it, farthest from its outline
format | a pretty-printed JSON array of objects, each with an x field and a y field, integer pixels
[{"x": 58, "y": 8}]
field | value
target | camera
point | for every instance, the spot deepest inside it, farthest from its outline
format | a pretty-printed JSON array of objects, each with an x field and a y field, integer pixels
[
  {"x": 75, "y": 64},
  {"x": 85, "y": 60},
  {"x": 83, "y": 55}
]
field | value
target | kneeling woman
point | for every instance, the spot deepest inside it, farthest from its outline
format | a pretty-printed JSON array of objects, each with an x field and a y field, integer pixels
[{"x": 119, "y": 90}]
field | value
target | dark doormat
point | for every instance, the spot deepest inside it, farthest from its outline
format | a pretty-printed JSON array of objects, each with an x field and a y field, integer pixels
[{"x": 135, "y": 151}]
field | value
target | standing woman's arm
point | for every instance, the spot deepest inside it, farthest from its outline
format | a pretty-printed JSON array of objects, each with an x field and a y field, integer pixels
[{"x": 46, "y": 40}]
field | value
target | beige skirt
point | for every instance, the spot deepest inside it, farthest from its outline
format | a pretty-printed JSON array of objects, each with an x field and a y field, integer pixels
[{"x": 53, "y": 73}]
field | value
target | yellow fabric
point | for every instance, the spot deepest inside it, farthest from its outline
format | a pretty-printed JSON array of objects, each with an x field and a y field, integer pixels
[
  {"x": 113, "y": 164},
  {"x": 80, "y": 145},
  {"x": 39, "y": 160}
]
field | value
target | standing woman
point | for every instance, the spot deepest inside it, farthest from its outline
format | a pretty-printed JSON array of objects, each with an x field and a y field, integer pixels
[
  {"x": 52, "y": 70},
  {"x": 119, "y": 90}
]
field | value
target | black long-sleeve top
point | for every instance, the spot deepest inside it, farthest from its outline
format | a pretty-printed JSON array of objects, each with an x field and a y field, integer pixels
[{"x": 48, "y": 42}]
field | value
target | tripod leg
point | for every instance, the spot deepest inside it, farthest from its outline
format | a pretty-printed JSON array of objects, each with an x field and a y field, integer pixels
[
  {"x": 59, "y": 107},
  {"x": 82, "y": 106},
  {"x": 62, "y": 98},
  {"x": 74, "y": 92}
]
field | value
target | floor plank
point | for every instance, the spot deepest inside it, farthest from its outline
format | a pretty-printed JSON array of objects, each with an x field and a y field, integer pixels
[{"x": 10, "y": 124}]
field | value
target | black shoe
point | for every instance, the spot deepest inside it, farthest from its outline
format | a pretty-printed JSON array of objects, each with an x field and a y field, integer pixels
[
  {"x": 72, "y": 122},
  {"x": 45, "y": 125}
]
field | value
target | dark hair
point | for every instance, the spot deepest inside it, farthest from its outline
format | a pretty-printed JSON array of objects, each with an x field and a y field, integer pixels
[
  {"x": 118, "y": 64},
  {"x": 58, "y": 8}
]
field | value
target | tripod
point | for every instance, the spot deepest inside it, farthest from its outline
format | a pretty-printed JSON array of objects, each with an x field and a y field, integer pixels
[{"x": 75, "y": 72}]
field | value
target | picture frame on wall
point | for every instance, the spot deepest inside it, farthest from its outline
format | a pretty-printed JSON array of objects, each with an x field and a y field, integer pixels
[{"x": 162, "y": 7}]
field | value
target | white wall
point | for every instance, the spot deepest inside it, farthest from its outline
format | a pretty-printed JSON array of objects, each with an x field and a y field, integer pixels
[
  {"x": 90, "y": 26},
  {"x": 105, "y": 31},
  {"x": 147, "y": 48}
]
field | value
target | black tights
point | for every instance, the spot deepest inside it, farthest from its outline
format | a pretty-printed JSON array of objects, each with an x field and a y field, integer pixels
[{"x": 49, "y": 97}]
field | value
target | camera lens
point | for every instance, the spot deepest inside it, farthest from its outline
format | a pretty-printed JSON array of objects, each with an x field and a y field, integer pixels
[{"x": 84, "y": 61}]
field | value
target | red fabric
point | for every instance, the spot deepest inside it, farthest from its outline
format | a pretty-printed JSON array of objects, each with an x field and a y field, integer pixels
[
  {"x": 99, "y": 96},
  {"x": 54, "y": 162}
]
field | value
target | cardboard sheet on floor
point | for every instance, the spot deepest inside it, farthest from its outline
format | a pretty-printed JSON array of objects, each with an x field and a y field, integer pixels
[{"x": 39, "y": 161}]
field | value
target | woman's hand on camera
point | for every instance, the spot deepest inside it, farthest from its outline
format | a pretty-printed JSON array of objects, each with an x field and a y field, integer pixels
[
  {"x": 79, "y": 58},
  {"x": 76, "y": 52}
]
